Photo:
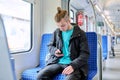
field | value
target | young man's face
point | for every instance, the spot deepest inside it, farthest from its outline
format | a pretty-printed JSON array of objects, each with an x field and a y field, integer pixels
[{"x": 63, "y": 25}]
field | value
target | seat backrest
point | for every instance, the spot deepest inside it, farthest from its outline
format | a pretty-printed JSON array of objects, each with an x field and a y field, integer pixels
[
  {"x": 104, "y": 47},
  {"x": 43, "y": 48},
  {"x": 92, "y": 42}
]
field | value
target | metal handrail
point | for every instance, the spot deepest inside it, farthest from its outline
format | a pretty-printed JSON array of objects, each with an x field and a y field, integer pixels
[{"x": 100, "y": 70}]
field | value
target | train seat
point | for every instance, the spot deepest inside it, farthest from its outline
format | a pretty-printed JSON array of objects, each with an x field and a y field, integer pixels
[
  {"x": 92, "y": 62},
  {"x": 30, "y": 74},
  {"x": 104, "y": 47}
]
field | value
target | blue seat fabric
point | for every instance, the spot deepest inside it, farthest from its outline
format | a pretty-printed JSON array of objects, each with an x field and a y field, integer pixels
[
  {"x": 104, "y": 47},
  {"x": 30, "y": 74}
]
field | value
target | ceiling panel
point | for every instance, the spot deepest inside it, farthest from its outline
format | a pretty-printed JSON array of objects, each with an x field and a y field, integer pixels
[{"x": 113, "y": 9}]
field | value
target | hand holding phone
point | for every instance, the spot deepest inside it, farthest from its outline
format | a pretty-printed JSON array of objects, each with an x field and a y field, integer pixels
[{"x": 58, "y": 53}]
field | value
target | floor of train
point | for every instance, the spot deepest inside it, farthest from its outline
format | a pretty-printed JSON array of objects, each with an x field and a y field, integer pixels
[{"x": 112, "y": 68}]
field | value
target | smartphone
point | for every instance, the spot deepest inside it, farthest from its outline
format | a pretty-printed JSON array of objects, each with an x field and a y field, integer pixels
[{"x": 59, "y": 53}]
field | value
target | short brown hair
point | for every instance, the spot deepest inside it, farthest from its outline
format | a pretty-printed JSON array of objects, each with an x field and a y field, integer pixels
[{"x": 61, "y": 14}]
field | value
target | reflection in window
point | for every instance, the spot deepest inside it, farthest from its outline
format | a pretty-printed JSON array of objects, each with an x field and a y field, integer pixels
[{"x": 16, "y": 15}]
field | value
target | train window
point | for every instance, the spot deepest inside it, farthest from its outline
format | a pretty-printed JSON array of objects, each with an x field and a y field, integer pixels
[
  {"x": 118, "y": 40},
  {"x": 16, "y": 15},
  {"x": 71, "y": 16}
]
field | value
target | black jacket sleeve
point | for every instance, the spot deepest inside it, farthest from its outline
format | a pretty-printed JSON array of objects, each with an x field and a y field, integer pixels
[{"x": 52, "y": 45}]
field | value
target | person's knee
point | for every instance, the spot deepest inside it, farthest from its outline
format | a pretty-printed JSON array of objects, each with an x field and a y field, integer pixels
[
  {"x": 42, "y": 77},
  {"x": 73, "y": 77},
  {"x": 38, "y": 77}
]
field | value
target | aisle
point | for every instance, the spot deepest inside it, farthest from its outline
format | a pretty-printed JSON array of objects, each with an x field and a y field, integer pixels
[{"x": 112, "y": 69}]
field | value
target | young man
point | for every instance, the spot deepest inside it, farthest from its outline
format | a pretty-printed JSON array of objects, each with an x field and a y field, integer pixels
[{"x": 68, "y": 49}]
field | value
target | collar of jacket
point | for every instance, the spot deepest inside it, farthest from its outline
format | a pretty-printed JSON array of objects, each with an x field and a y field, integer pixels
[{"x": 76, "y": 31}]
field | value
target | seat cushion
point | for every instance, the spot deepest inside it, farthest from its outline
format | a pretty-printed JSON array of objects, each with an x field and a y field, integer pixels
[
  {"x": 60, "y": 77},
  {"x": 30, "y": 74}
]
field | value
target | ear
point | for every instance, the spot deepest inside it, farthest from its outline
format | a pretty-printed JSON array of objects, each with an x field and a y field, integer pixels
[{"x": 69, "y": 21}]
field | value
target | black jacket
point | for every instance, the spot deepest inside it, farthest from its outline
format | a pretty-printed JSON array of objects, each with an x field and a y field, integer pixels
[{"x": 78, "y": 46}]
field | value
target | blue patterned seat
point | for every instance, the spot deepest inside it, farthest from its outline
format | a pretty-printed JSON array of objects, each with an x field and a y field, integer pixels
[
  {"x": 30, "y": 74},
  {"x": 104, "y": 47},
  {"x": 92, "y": 42}
]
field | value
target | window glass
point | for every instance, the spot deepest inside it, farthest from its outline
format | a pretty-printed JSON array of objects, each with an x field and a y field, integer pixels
[{"x": 16, "y": 15}]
